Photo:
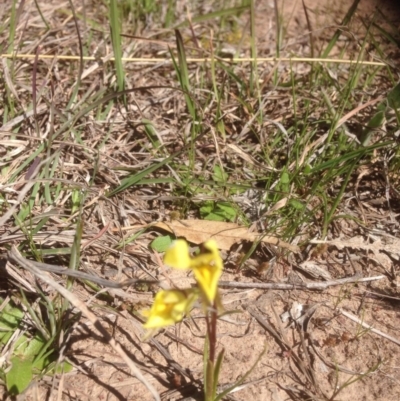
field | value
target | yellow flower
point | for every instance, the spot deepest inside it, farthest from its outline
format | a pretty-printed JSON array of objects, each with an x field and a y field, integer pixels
[
  {"x": 207, "y": 266},
  {"x": 169, "y": 307}
]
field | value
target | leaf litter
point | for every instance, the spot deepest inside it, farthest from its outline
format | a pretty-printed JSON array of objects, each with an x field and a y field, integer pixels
[{"x": 310, "y": 360}]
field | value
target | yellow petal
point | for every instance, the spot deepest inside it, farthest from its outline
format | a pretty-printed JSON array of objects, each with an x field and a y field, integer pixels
[
  {"x": 207, "y": 277},
  {"x": 177, "y": 256},
  {"x": 169, "y": 307},
  {"x": 207, "y": 268},
  {"x": 211, "y": 245}
]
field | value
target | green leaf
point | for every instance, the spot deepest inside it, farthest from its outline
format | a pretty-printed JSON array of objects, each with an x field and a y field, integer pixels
[
  {"x": 377, "y": 120},
  {"x": 394, "y": 97},
  {"x": 348, "y": 157},
  {"x": 206, "y": 208},
  {"x": 284, "y": 181},
  {"x": 161, "y": 244},
  {"x": 214, "y": 217},
  {"x": 226, "y": 210},
  {"x": 30, "y": 348},
  {"x": 76, "y": 200},
  {"x": 307, "y": 169},
  {"x": 285, "y": 178},
  {"x": 219, "y": 174},
  {"x": 296, "y": 204},
  {"x": 219, "y": 211},
  {"x": 10, "y": 318},
  {"x": 183, "y": 73},
  {"x": 19, "y": 376},
  {"x": 151, "y": 133},
  {"x": 339, "y": 32}
]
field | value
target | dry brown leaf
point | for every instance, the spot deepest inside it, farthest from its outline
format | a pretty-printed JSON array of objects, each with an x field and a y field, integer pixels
[
  {"x": 386, "y": 244},
  {"x": 226, "y": 234}
]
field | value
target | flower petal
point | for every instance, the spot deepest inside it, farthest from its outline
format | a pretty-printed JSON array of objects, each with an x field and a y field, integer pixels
[
  {"x": 177, "y": 256},
  {"x": 211, "y": 245},
  {"x": 207, "y": 268},
  {"x": 169, "y": 307},
  {"x": 207, "y": 277}
]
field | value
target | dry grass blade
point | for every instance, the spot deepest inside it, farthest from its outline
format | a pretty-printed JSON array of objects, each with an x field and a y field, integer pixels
[
  {"x": 15, "y": 256},
  {"x": 369, "y": 327}
]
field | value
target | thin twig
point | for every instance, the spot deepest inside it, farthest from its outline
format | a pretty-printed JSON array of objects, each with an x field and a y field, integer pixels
[
  {"x": 354, "y": 318},
  {"x": 322, "y": 285},
  {"x": 78, "y": 274},
  {"x": 152, "y": 60}
]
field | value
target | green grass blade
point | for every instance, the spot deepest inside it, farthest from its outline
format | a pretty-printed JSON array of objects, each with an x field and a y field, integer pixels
[
  {"x": 135, "y": 178},
  {"x": 184, "y": 73},
  {"x": 330, "y": 164},
  {"x": 115, "y": 24},
  {"x": 345, "y": 22}
]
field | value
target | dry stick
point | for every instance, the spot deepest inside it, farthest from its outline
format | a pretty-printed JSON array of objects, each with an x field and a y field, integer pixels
[
  {"x": 369, "y": 327},
  {"x": 322, "y": 285},
  {"x": 155, "y": 60},
  {"x": 15, "y": 256},
  {"x": 84, "y": 276}
]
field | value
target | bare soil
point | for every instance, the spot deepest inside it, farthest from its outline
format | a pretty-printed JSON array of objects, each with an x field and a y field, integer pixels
[{"x": 328, "y": 356}]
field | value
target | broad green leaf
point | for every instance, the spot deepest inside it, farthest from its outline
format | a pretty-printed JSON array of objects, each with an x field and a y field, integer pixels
[
  {"x": 19, "y": 376},
  {"x": 161, "y": 244},
  {"x": 33, "y": 347},
  {"x": 227, "y": 210}
]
